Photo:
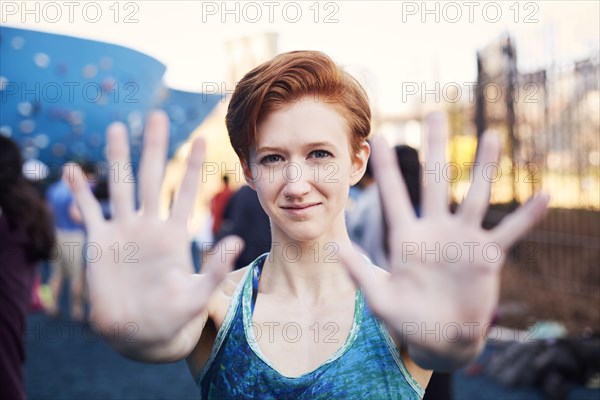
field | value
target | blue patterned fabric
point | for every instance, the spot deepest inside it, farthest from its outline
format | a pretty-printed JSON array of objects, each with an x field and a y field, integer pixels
[{"x": 368, "y": 365}]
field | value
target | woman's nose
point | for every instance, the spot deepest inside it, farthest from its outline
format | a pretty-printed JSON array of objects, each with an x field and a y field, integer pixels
[{"x": 296, "y": 180}]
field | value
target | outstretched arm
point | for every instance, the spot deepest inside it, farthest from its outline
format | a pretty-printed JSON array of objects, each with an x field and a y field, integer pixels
[
  {"x": 143, "y": 293},
  {"x": 445, "y": 268}
]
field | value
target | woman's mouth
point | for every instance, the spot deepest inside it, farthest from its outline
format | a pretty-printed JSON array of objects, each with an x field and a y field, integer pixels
[{"x": 300, "y": 209}]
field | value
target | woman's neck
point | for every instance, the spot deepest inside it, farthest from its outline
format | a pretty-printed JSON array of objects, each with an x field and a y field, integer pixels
[{"x": 308, "y": 271}]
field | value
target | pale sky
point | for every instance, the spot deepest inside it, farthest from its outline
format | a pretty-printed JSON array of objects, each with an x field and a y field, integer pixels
[{"x": 383, "y": 43}]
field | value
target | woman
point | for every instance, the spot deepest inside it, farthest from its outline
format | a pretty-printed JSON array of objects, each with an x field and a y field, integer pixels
[
  {"x": 293, "y": 323},
  {"x": 26, "y": 237}
]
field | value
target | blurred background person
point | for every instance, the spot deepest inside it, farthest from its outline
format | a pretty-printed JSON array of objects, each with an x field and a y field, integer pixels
[
  {"x": 218, "y": 204},
  {"x": 245, "y": 217},
  {"x": 26, "y": 237},
  {"x": 68, "y": 262},
  {"x": 365, "y": 219},
  {"x": 410, "y": 167},
  {"x": 102, "y": 195}
]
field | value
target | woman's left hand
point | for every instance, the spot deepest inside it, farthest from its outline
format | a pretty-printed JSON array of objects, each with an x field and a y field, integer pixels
[{"x": 444, "y": 268}]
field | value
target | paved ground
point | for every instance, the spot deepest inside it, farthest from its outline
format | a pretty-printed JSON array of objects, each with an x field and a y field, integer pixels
[{"x": 70, "y": 361}]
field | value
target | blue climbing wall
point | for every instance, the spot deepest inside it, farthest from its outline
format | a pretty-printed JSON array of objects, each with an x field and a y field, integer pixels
[{"x": 59, "y": 93}]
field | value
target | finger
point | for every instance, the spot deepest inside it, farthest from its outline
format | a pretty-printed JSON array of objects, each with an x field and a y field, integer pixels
[
  {"x": 392, "y": 188},
  {"x": 435, "y": 192},
  {"x": 214, "y": 270},
  {"x": 222, "y": 257},
  {"x": 90, "y": 209},
  {"x": 516, "y": 225},
  {"x": 121, "y": 192},
  {"x": 189, "y": 186},
  {"x": 153, "y": 160},
  {"x": 364, "y": 276},
  {"x": 476, "y": 203}
]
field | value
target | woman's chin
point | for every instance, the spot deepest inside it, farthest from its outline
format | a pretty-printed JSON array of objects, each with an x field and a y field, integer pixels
[
  {"x": 307, "y": 232},
  {"x": 304, "y": 235}
]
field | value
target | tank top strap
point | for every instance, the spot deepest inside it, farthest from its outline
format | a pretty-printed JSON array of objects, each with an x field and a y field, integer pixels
[
  {"x": 257, "y": 268},
  {"x": 370, "y": 318},
  {"x": 229, "y": 317}
]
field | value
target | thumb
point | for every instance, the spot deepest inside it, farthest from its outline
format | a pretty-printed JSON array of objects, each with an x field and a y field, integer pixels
[
  {"x": 221, "y": 258},
  {"x": 362, "y": 273},
  {"x": 219, "y": 262}
]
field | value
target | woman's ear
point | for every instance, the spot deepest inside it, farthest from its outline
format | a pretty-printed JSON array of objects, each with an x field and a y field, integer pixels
[
  {"x": 359, "y": 163},
  {"x": 248, "y": 174}
]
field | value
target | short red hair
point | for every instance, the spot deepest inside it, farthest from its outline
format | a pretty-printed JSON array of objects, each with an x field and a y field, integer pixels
[{"x": 284, "y": 80}]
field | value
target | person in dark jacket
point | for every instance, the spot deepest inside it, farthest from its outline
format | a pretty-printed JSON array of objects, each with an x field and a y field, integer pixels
[
  {"x": 26, "y": 236},
  {"x": 245, "y": 217}
]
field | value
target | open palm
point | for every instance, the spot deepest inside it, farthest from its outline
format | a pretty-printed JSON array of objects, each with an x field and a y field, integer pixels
[
  {"x": 444, "y": 268},
  {"x": 140, "y": 273}
]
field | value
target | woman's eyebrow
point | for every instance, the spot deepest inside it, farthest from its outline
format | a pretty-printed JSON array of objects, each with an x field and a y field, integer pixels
[
  {"x": 320, "y": 144},
  {"x": 273, "y": 149},
  {"x": 269, "y": 149}
]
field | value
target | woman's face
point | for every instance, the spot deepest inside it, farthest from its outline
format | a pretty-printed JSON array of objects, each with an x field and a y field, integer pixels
[{"x": 302, "y": 170}]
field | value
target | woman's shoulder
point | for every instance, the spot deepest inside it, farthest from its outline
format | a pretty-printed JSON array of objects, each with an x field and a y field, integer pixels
[
  {"x": 219, "y": 304},
  {"x": 232, "y": 280}
]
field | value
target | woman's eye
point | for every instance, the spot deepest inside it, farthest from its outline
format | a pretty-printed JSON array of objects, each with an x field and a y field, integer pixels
[
  {"x": 321, "y": 154},
  {"x": 271, "y": 158}
]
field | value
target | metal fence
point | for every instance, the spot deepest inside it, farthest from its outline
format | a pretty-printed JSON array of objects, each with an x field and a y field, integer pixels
[{"x": 550, "y": 121}]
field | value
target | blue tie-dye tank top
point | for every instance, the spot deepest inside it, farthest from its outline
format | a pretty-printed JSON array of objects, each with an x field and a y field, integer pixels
[{"x": 367, "y": 366}]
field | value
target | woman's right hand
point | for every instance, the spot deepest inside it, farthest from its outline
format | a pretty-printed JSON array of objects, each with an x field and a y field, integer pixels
[{"x": 140, "y": 275}]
